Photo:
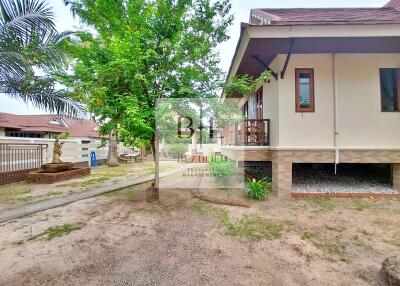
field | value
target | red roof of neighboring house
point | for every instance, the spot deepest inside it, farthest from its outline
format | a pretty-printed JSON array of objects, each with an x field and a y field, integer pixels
[
  {"x": 327, "y": 16},
  {"x": 42, "y": 123}
]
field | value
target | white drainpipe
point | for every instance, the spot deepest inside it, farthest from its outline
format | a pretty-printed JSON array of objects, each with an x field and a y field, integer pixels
[{"x": 336, "y": 111}]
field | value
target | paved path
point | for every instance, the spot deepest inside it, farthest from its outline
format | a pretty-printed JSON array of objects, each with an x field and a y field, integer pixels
[{"x": 56, "y": 202}]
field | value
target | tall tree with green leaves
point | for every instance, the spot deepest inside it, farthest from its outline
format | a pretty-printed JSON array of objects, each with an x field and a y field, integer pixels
[
  {"x": 143, "y": 51},
  {"x": 30, "y": 43}
]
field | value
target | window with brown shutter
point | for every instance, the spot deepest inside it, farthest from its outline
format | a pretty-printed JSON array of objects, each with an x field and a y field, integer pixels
[
  {"x": 305, "y": 90},
  {"x": 390, "y": 89}
]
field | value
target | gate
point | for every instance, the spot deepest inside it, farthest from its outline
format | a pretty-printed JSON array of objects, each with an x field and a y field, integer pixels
[{"x": 17, "y": 160}]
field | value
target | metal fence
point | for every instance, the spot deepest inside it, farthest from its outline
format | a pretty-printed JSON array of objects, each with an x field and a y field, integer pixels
[{"x": 16, "y": 160}]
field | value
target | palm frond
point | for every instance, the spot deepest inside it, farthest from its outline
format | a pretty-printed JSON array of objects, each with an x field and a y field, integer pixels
[
  {"x": 41, "y": 93},
  {"x": 23, "y": 16},
  {"x": 73, "y": 6},
  {"x": 29, "y": 43}
]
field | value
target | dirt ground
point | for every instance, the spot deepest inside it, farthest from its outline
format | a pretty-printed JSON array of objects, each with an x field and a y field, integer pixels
[
  {"x": 23, "y": 193},
  {"x": 118, "y": 239}
]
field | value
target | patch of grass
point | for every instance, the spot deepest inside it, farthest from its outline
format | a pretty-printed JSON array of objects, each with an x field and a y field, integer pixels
[
  {"x": 306, "y": 236},
  {"x": 54, "y": 193},
  {"x": 361, "y": 242},
  {"x": 335, "y": 249},
  {"x": 255, "y": 227},
  {"x": 395, "y": 242},
  {"x": 290, "y": 225},
  {"x": 131, "y": 195},
  {"x": 208, "y": 209},
  {"x": 128, "y": 193},
  {"x": 56, "y": 231},
  {"x": 25, "y": 200},
  {"x": 87, "y": 182},
  {"x": 331, "y": 249},
  {"x": 249, "y": 226},
  {"x": 361, "y": 204},
  {"x": 322, "y": 204},
  {"x": 12, "y": 193}
]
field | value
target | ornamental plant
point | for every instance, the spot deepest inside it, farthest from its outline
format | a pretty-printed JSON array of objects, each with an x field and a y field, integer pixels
[{"x": 258, "y": 189}]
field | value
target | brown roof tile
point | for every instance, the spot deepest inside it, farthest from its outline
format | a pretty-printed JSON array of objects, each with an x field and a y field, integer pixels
[
  {"x": 312, "y": 16},
  {"x": 40, "y": 123}
]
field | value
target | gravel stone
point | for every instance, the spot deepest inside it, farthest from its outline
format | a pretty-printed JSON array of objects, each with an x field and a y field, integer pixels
[{"x": 348, "y": 180}]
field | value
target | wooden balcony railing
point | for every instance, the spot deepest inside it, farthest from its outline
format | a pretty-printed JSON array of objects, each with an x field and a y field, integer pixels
[{"x": 252, "y": 132}]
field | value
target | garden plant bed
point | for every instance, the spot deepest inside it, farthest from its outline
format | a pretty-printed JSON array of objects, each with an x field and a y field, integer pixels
[{"x": 41, "y": 177}]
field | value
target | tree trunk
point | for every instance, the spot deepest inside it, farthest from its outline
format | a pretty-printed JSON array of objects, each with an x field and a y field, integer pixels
[
  {"x": 153, "y": 147},
  {"x": 112, "y": 158},
  {"x": 152, "y": 193}
]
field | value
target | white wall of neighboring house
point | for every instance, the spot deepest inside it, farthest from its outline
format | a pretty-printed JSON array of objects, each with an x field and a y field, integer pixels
[
  {"x": 73, "y": 150},
  {"x": 361, "y": 122}
]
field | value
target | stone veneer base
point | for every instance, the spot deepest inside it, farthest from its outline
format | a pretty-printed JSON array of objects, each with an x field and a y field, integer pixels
[{"x": 39, "y": 177}]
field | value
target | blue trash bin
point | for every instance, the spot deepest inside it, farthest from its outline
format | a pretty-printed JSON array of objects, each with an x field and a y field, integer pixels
[{"x": 93, "y": 160}]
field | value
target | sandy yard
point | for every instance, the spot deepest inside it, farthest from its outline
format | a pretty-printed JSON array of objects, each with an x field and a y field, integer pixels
[
  {"x": 118, "y": 239},
  {"x": 23, "y": 193}
]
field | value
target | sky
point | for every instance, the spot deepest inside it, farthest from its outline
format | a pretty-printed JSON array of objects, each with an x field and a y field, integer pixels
[{"x": 240, "y": 10}]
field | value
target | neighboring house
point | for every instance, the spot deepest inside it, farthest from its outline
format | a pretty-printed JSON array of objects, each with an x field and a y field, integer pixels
[
  {"x": 334, "y": 96},
  {"x": 46, "y": 126}
]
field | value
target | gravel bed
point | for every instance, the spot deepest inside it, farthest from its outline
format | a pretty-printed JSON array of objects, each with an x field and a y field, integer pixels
[{"x": 308, "y": 180}]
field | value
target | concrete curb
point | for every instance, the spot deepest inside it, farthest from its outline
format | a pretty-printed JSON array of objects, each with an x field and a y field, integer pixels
[{"x": 56, "y": 202}]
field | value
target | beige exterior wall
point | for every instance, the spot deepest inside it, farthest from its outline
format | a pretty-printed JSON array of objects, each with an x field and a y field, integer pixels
[
  {"x": 361, "y": 122},
  {"x": 271, "y": 104},
  {"x": 362, "y": 125},
  {"x": 2, "y": 132},
  {"x": 308, "y": 129}
]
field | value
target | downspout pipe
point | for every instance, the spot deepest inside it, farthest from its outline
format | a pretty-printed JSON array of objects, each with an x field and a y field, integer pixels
[{"x": 336, "y": 112}]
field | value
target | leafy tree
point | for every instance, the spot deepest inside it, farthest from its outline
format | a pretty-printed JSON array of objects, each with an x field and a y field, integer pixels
[
  {"x": 29, "y": 42},
  {"x": 143, "y": 51},
  {"x": 245, "y": 85}
]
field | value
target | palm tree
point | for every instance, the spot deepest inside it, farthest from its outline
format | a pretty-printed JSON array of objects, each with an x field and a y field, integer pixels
[{"x": 30, "y": 45}]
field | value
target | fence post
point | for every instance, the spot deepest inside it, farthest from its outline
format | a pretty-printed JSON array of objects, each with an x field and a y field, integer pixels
[{"x": 236, "y": 135}]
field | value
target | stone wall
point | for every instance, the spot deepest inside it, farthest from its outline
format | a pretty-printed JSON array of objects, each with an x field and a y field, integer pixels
[{"x": 282, "y": 161}]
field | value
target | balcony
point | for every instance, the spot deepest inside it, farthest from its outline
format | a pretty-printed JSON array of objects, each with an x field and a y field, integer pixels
[{"x": 252, "y": 132}]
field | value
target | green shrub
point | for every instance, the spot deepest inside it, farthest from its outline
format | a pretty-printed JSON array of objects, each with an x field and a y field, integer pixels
[
  {"x": 177, "y": 149},
  {"x": 258, "y": 189},
  {"x": 216, "y": 158},
  {"x": 222, "y": 170}
]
